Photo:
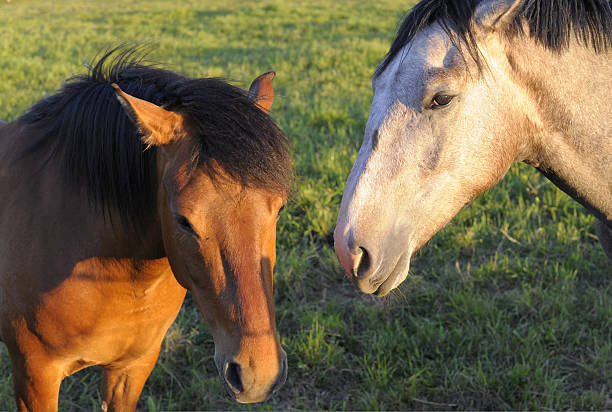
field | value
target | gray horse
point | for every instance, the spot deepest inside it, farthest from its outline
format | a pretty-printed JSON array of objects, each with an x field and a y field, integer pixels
[{"x": 467, "y": 88}]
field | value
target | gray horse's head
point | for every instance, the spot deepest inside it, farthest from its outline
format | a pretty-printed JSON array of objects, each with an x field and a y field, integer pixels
[{"x": 438, "y": 134}]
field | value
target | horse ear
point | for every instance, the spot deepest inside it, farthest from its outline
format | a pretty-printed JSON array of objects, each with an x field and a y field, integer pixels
[
  {"x": 158, "y": 126},
  {"x": 495, "y": 15},
  {"x": 262, "y": 92}
]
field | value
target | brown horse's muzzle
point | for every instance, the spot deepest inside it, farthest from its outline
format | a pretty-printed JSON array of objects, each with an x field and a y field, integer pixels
[{"x": 252, "y": 377}]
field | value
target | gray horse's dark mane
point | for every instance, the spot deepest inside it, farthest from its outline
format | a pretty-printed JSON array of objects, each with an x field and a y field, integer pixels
[{"x": 551, "y": 23}]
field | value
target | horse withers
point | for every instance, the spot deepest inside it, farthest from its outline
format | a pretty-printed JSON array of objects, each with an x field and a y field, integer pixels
[
  {"x": 467, "y": 88},
  {"x": 107, "y": 221}
]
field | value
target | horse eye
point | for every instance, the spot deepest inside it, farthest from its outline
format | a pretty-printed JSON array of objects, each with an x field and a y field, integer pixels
[
  {"x": 280, "y": 210},
  {"x": 185, "y": 225},
  {"x": 441, "y": 100}
]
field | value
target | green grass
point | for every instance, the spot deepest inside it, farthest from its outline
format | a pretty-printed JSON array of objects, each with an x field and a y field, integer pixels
[{"x": 509, "y": 307}]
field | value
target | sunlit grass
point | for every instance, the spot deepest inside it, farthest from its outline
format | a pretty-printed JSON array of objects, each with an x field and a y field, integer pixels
[{"x": 508, "y": 307}]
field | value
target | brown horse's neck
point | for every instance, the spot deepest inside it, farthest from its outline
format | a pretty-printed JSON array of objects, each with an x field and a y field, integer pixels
[
  {"x": 573, "y": 144},
  {"x": 38, "y": 182}
]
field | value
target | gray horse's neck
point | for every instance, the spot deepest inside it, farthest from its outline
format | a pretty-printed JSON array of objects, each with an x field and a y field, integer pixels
[{"x": 573, "y": 145}]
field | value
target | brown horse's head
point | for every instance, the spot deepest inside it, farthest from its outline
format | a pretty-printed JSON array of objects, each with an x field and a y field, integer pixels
[{"x": 219, "y": 230}]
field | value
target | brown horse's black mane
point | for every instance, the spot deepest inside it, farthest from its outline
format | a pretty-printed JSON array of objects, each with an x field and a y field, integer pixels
[
  {"x": 551, "y": 23},
  {"x": 100, "y": 149}
]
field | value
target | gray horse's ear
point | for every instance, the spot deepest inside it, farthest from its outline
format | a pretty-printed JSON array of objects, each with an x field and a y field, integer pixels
[
  {"x": 262, "y": 92},
  {"x": 496, "y": 15},
  {"x": 157, "y": 125}
]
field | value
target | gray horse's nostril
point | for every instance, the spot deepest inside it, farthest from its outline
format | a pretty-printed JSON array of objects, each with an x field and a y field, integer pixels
[
  {"x": 232, "y": 376},
  {"x": 363, "y": 267}
]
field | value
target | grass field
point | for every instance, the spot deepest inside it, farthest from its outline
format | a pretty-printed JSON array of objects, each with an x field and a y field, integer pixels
[{"x": 509, "y": 307}]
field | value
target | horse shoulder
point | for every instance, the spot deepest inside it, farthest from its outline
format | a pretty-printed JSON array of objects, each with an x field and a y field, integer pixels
[{"x": 104, "y": 310}]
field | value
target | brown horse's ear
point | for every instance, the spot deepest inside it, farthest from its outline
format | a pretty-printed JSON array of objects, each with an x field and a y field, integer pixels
[
  {"x": 158, "y": 126},
  {"x": 262, "y": 92},
  {"x": 496, "y": 16}
]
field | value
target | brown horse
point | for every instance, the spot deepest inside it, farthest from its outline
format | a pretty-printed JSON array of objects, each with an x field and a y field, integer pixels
[
  {"x": 105, "y": 225},
  {"x": 467, "y": 88}
]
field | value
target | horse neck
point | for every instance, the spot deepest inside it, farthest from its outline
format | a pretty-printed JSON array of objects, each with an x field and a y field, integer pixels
[
  {"x": 572, "y": 145},
  {"x": 56, "y": 211}
]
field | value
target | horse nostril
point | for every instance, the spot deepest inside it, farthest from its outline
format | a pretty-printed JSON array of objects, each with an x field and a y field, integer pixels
[
  {"x": 232, "y": 376},
  {"x": 363, "y": 267}
]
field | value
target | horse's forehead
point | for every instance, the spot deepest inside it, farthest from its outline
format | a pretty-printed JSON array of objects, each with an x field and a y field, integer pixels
[
  {"x": 429, "y": 48},
  {"x": 207, "y": 186},
  {"x": 404, "y": 75}
]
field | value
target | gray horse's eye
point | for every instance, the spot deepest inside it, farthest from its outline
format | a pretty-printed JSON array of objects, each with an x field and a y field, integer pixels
[{"x": 441, "y": 100}]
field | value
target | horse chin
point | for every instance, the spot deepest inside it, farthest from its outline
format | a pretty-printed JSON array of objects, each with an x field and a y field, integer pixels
[
  {"x": 386, "y": 284},
  {"x": 392, "y": 282}
]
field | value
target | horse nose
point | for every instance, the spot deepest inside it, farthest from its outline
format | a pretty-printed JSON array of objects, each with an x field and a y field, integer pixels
[
  {"x": 242, "y": 383},
  {"x": 362, "y": 266},
  {"x": 232, "y": 373},
  {"x": 354, "y": 259}
]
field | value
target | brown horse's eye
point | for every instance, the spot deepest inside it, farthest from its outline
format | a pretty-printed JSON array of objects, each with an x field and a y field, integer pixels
[
  {"x": 280, "y": 210},
  {"x": 185, "y": 225},
  {"x": 441, "y": 100}
]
